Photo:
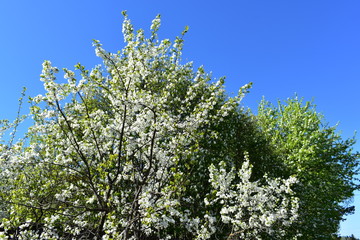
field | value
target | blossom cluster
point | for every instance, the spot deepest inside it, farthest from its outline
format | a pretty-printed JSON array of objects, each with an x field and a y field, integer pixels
[{"x": 124, "y": 153}]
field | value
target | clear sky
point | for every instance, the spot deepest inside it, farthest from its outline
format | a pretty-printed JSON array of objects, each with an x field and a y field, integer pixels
[{"x": 284, "y": 47}]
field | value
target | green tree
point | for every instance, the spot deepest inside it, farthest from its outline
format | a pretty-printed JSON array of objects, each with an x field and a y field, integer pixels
[
  {"x": 141, "y": 148},
  {"x": 323, "y": 162}
]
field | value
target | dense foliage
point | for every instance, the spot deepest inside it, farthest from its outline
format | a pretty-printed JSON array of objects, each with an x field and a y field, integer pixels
[
  {"x": 321, "y": 160},
  {"x": 146, "y": 147}
]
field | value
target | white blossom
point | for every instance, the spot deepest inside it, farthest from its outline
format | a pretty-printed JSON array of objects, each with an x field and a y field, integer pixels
[{"x": 127, "y": 152}]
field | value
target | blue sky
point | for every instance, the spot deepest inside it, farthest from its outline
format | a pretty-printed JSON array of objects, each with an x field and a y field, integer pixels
[{"x": 284, "y": 47}]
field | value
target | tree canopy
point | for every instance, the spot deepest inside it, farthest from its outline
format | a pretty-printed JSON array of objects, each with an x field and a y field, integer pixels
[
  {"x": 146, "y": 147},
  {"x": 322, "y": 161}
]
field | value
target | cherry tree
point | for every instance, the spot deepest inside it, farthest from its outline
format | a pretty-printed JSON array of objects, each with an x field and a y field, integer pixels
[{"x": 129, "y": 150}]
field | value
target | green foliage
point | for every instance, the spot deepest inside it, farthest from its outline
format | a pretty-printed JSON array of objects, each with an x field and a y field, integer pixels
[
  {"x": 146, "y": 147},
  {"x": 323, "y": 162}
]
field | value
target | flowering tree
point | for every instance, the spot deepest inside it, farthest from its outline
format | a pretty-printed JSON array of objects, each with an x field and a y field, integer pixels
[{"x": 131, "y": 151}]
